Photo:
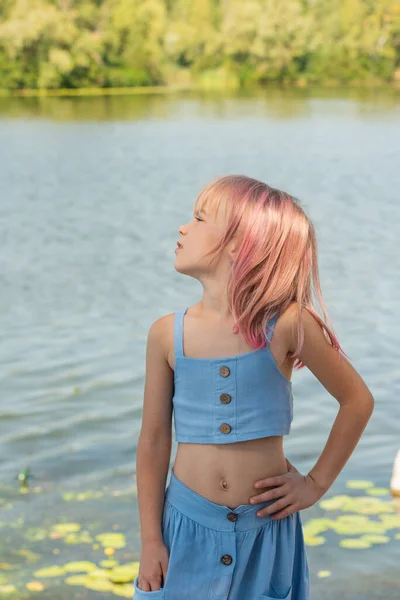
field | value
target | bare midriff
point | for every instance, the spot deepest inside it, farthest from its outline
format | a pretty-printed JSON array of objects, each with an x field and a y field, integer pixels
[{"x": 226, "y": 473}]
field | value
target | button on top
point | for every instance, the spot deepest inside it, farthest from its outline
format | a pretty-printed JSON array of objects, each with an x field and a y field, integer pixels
[
  {"x": 232, "y": 516},
  {"x": 226, "y": 559},
  {"x": 225, "y": 398},
  {"x": 225, "y": 428},
  {"x": 224, "y": 371}
]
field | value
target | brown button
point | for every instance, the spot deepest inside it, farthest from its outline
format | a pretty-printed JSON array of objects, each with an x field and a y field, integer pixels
[
  {"x": 226, "y": 559},
  {"x": 232, "y": 516},
  {"x": 225, "y": 428},
  {"x": 224, "y": 371},
  {"x": 225, "y": 398}
]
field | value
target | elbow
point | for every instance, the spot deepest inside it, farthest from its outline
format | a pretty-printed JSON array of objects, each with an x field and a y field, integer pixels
[
  {"x": 362, "y": 405},
  {"x": 365, "y": 406}
]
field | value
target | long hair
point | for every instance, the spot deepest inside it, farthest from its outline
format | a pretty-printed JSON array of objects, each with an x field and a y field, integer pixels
[{"x": 276, "y": 263}]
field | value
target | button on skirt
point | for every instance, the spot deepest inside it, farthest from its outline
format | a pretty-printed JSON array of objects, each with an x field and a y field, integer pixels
[{"x": 216, "y": 553}]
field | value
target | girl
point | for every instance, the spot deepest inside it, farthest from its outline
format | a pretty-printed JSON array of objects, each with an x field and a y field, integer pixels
[{"x": 228, "y": 525}]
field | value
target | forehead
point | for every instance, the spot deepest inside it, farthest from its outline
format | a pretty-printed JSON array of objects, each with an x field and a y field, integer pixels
[{"x": 209, "y": 207}]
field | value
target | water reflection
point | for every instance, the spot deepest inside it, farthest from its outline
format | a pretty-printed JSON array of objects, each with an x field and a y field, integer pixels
[{"x": 271, "y": 102}]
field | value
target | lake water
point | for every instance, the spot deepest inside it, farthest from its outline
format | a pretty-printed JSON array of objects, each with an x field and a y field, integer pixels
[{"x": 93, "y": 191}]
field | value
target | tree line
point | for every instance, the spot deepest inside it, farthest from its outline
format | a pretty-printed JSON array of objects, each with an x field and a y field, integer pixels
[{"x": 119, "y": 43}]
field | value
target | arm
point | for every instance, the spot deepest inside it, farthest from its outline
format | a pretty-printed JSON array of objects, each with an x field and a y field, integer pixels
[
  {"x": 155, "y": 439},
  {"x": 292, "y": 490},
  {"x": 342, "y": 381}
]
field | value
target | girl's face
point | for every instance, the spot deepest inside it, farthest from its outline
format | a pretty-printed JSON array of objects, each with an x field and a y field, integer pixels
[{"x": 198, "y": 237}]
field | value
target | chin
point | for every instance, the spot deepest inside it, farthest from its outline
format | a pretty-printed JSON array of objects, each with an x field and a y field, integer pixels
[{"x": 185, "y": 270}]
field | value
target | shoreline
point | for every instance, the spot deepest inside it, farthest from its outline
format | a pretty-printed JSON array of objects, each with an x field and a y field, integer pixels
[{"x": 168, "y": 89}]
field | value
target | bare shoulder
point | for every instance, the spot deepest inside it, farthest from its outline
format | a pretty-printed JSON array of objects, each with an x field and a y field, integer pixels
[
  {"x": 159, "y": 383},
  {"x": 164, "y": 331},
  {"x": 160, "y": 332}
]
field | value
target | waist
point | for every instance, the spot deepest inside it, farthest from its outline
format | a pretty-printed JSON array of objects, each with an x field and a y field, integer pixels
[{"x": 225, "y": 473}]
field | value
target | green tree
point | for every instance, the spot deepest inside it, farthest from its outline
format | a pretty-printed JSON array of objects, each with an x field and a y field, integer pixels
[
  {"x": 135, "y": 30},
  {"x": 268, "y": 40},
  {"x": 78, "y": 43}
]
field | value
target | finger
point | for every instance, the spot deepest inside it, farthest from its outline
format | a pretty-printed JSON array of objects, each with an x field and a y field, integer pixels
[
  {"x": 289, "y": 510},
  {"x": 272, "y": 508},
  {"x": 270, "y": 481},
  {"x": 155, "y": 583},
  {"x": 268, "y": 495},
  {"x": 144, "y": 585}
]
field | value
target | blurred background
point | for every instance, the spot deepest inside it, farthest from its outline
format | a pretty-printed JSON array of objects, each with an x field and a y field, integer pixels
[{"x": 114, "y": 115}]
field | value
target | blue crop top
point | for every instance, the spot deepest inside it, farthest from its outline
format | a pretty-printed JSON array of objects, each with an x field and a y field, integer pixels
[{"x": 229, "y": 399}]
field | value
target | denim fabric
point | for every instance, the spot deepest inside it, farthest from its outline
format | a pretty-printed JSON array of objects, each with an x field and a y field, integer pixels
[
  {"x": 215, "y": 557},
  {"x": 261, "y": 402}
]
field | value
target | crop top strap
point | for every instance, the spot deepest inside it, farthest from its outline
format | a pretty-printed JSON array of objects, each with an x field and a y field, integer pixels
[
  {"x": 271, "y": 326},
  {"x": 178, "y": 332}
]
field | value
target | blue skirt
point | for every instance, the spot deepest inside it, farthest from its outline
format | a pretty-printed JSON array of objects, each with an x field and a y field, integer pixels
[{"x": 216, "y": 553}]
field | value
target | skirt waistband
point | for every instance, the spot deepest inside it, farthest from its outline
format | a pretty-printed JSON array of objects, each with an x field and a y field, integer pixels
[{"x": 213, "y": 515}]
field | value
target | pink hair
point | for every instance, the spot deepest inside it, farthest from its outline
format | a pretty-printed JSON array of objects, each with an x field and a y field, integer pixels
[{"x": 277, "y": 261}]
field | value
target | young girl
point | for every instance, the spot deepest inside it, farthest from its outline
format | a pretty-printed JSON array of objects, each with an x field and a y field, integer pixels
[{"x": 228, "y": 525}]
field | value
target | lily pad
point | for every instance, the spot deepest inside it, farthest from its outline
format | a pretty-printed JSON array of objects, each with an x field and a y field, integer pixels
[
  {"x": 378, "y": 491},
  {"x": 121, "y": 574},
  {"x": 315, "y": 526},
  {"x": 359, "y": 504},
  {"x": 82, "y": 537},
  {"x": 314, "y": 540},
  {"x": 359, "y": 484},
  {"x": 112, "y": 540},
  {"x": 376, "y": 539},
  {"x": 390, "y": 521},
  {"x": 124, "y": 590},
  {"x": 7, "y": 589},
  {"x": 98, "y": 585},
  {"x": 75, "y": 580},
  {"x": 334, "y": 503},
  {"x": 77, "y": 566},
  {"x": 99, "y": 574},
  {"x": 66, "y": 527},
  {"x": 35, "y": 534},
  {"x": 355, "y": 543},
  {"x": 54, "y": 571},
  {"x": 108, "y": 563},
  {"x": 35, "y": 586},
  {"x": 354, "y": 524}
]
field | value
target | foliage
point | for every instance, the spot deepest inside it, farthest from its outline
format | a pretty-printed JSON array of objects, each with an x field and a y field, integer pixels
[{"x": 117, "y": 43}]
